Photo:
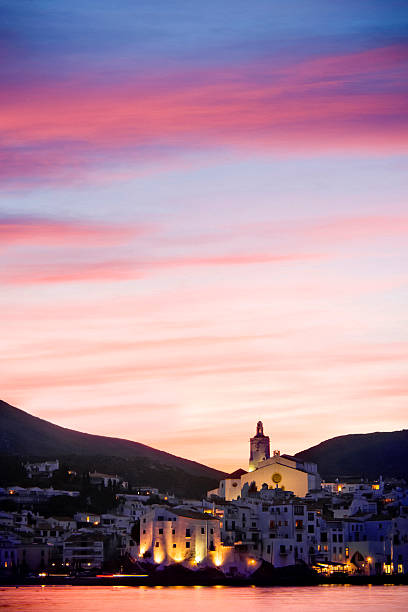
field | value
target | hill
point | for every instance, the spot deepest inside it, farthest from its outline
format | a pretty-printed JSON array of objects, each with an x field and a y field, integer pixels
[
  {"x": 361, "y": 455},
  {"x": 24, "y": 435}
]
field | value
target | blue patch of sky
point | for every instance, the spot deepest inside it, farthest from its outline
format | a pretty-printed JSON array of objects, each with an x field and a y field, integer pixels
[
  {"x": 63, "y": 34},
  {"x": 261, "y": 187}
]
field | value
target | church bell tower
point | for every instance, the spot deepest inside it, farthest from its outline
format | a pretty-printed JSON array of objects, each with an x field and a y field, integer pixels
[{"x": 259, "y": 448}]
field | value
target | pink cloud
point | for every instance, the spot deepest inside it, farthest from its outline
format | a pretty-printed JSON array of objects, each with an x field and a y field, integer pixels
[
  {"x": 127, "y": 269},
  {"x": 331, "y": 103},
  {"x": 44, "y": 232}
]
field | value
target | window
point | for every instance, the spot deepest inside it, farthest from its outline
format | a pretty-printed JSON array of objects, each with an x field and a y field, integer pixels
[
  {"x": 310, "y": 516},
  {"x": 268, "y": 549},
  {"x": 202, "y": 530},
  {"x": 187, "y": 544},
  {"x": 211, "y": 531},
  {"x": 160, "y": 518},
  {"x": 299, "y": 510},
  {"x": 334, "y": 537},
  {"x": 157, "y": 544},
  {"x": 161, "y": 531},
  {"x": 144, "y": 531},
  {"x": 174, "y": 545},
  {"x": 188, "y": 533},
  {"x": 173, "y": 531},
  {"x": 253, "y": 524},
  {"x": 298, "y": 537},
  {"x": 334, "y": 550},
  {"x": 310, "y": 528},
  {"x": 340, "y": 537},
  {"x": 282, "y": 549}
]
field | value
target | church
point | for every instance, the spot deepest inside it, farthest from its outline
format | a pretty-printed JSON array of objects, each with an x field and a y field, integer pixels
[{"x": 279, "y": 471}]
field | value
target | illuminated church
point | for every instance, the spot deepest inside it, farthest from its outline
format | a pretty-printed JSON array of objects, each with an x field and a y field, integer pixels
[{"x": 283, "y": 471}]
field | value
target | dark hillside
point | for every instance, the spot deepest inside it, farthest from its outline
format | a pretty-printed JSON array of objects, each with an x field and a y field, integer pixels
[
  {"x": 22, "y": 434},
  {"x": 365, "y": 455}
]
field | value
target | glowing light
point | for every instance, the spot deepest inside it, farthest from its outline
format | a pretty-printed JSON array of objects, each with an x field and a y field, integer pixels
[
  {"x": 218, "y": 559},
  {"x": 42, "y": 574},
  {"x": 87, "y": 519},
  {"x": 158, "y": 557},
  {"x": 369, "y": 559}
]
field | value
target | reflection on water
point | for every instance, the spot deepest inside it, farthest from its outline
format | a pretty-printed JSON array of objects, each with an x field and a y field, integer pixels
[{"x": 202, "y": 599}]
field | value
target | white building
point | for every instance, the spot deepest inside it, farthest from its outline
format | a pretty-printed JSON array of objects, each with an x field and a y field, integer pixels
[
  {"x": 107, "y": 480},
  {"x": 179, "y": 535},
  {"x": 283, "y": 471},
  {"x": 42, "y": 468},
  {"x": 83, "y": 550}
]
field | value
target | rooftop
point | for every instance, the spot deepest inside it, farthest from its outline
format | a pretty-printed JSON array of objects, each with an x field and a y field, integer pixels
[{"x": 237, "y": 474}]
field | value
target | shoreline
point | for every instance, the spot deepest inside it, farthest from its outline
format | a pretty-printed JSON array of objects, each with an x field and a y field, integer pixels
[{"x": 155, "y": 581}]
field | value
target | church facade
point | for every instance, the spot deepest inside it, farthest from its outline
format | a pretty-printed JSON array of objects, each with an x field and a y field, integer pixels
[{"x": 279, "y": 471}]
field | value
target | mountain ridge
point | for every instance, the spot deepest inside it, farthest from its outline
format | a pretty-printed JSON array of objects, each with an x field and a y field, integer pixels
[
  {"x": 366, "y": 455},
  {"x": 22, "y": 434},
  {"x": 352, "y": 455}
]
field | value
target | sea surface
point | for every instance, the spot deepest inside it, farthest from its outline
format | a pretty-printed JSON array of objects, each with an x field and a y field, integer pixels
[{"x": 336, "y": 598}]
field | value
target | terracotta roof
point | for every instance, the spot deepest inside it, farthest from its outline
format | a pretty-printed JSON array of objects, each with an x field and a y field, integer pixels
[
  {"x": 236, "y": 474},
  {"x": 194, "y": 515}
]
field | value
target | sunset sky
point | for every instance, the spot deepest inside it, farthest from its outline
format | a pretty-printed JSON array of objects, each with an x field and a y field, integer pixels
[{"x": 204, "y": 220}]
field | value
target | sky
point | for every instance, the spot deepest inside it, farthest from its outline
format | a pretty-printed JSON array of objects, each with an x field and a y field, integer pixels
[{"x": 204, "y": 220}]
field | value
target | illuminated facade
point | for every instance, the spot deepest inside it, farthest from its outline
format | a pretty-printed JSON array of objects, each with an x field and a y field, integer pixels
[{"x": 177, "y": 535}]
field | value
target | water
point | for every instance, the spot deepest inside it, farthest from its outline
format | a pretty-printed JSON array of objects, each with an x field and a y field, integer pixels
[{"x": 334, "y": 598}]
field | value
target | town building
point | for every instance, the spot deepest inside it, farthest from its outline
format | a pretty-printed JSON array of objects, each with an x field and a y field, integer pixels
[
  {"x": 279, "y": 471},
  {"x": 42, "y": 468},
  {"x": 175, "y": 535}
]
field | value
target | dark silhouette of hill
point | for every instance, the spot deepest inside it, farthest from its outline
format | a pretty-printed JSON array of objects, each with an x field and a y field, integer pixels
[
  {"x": 361, "y": 455},
  {"x": 24, "y": 435}
]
